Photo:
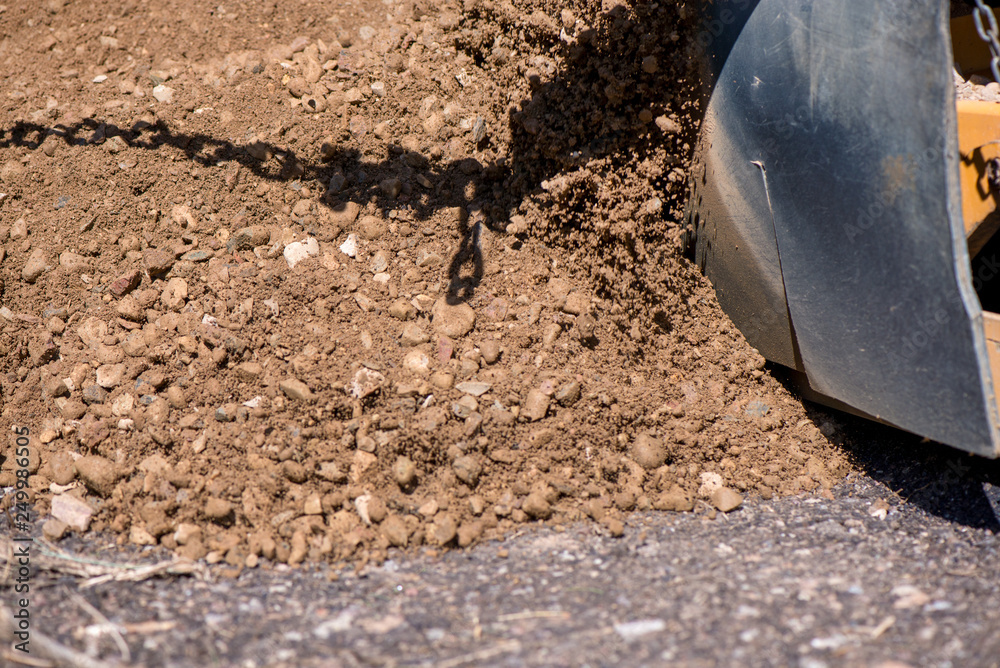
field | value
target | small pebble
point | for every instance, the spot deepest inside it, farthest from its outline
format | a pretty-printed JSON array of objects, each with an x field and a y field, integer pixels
[
  {"x": 465, "y": 407},
  {"x": 163, "y": 94},
  {"x": 469, "y": 533},
  {"x": 110, "y": 375},
  {"x": 379, "y": 263},
  {"x": 73, "y": 511},
  {"x": 34, "y": 267},
  {"x": 649, "y": 452},
  {"x": 402, "y": 310},
  {"x": 54, "y": 529},
  {"x": 726, "y": 499},
  {"x": 129, "y": 309},
  {"x": 453, "y": 320},
  {"x": 94, "y": 394},
  {"x": 298, "y": 251},
  {"x": 536, "y": 405},
  {"x": 536, "y": 506},
  {"x": 675, "y": 499},
  {"x": 442, "y": 380},
  {"x": 175, "y": 294},
  {"x": 350, "y": 247},
  {"x": 444, "y": 530},
  {"x": 297, "y": 390},
  {"x": 490, "y": 348},
  {"x": 404, "y": 471},
  {"x": 413, "y": 335},
  {"x": 417, "y": 361},
  {"x": 97, "y": 473},
  {"x": 614, "y": 526},
  {"x": 175, "y": 397},
  {"x": 372, "y": 227},
  {"x": 218, "y": 510},
  {"x": 568, "y": 393},
  {"x": 391, "y": 187},
  {"x": 468, "y": 469},
  {"x": 395, "y": 531}
]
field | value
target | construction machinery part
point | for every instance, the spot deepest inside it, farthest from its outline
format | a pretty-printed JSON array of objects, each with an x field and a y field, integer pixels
[{"x": 830, "y": 207}]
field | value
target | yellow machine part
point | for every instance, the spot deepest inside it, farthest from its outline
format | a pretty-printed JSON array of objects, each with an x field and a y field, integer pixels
[
  {"x": 978, "y": 143},
  {"x": 978, "y": 138}
]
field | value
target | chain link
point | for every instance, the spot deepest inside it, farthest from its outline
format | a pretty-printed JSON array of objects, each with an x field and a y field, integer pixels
[{"x": 986, "y": 26}]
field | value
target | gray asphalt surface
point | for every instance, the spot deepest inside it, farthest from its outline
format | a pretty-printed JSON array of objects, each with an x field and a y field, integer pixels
[{"x": 900, "y": 566}]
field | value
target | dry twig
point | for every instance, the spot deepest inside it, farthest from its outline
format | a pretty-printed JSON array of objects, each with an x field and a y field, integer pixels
[
  {"x": 47, "y": 558},
  {"x": 45, "y": 647},
  {"x": 51, "y": 559}
]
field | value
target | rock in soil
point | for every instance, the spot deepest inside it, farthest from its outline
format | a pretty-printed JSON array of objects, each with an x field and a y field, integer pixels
[
  {"x": 454, "y": 320},
  {"x": 726, "y": 500},
  {"x": 649, "y": 452},
  {"x": 72, "y": 511},
  {"x": 98, "y": 474}
]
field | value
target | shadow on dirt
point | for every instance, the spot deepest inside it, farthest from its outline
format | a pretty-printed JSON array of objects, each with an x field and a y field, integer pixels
[
  {"x": 276, "y": 163},
  {"x": 941, "y": 480},
  {"x": 585, "y": 109}
]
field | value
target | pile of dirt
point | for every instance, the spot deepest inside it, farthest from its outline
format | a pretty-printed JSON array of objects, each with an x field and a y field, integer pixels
[{"x": 281, "y": 284}]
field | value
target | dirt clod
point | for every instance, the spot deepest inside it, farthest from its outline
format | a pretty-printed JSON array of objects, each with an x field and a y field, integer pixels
[
  {"x": 97, "y": 473},
  {"x": 453, "y": 320},
  {"x": 537, "y": 506},
  {"x": 468, "y": 469},
  {"x": 726, "y": 500},
  {"x": 649, "y": 452}
]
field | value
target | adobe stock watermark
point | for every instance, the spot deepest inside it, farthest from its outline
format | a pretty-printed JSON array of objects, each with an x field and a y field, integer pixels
[
  {"x": 21, "y": 532},
  {"x": 988, "y": 269},
  {"x": 713, "y": 27},
  {"x": 899, "y": 174},
  {"x": 928, "y": 329}
]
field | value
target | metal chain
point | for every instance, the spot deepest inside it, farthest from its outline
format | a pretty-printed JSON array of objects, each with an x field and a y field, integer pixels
[{"x": 990, "y": 33}]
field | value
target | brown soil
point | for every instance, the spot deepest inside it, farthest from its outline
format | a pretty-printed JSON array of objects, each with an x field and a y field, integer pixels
[{"x": 511, "y": 173}]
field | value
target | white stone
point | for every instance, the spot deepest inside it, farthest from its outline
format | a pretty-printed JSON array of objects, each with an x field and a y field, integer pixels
[
  {"x": 417, "y": 361},
  {"x": 639, "y": 628},
  {"x": 710, "y": 482},
  {"x": 110, "y": 376},
  {"x": 361, "y": 503},
  {"x": 73, "y": 511},
  {"x": 123, "y": 404},
  {"x": 163, "y": 94},
  {"x": 301, "y": 250},
  {"x": 365, "y": 382},
  {"x": 350, "y": 247},
  {"x": 474, "y": 388}
]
